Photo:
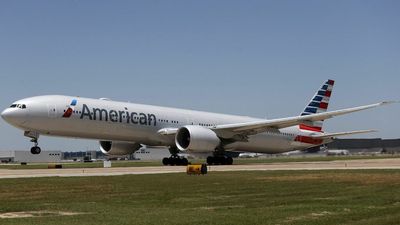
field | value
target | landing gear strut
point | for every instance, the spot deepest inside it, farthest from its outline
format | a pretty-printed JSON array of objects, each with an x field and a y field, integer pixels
[
  {"x": 175, "y": 159},
  {"x": 35, "y": 136},
  {"x": 219, "y": 160}
]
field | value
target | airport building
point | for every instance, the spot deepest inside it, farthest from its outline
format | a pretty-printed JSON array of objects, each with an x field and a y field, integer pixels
[
  {"x": 21, "y": 156},
  {"x": 83, "y": 155}
]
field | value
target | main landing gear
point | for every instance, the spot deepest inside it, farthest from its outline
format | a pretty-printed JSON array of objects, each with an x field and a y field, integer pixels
[
  {"x": 175, "y": 159},
  {"x": 219, "y": 160},
  {"x": 35, "y": 136}
]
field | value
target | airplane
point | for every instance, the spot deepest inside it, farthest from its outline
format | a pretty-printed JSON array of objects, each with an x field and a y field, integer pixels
[{"x": 122, "y": 128}]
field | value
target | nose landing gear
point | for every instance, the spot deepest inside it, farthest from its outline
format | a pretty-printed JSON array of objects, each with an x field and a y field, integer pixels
[
  {"x": 35, "y": 136},
  {"x": 35, "y": 149}
]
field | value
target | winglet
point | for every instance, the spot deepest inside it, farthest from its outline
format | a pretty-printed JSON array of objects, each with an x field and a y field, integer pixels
[{"x": 388, "y": 102}]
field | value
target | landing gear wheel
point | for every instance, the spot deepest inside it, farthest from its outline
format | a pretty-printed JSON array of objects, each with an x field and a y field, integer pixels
[
  {"x": 222, "y": 160},
  {"x": 175, "y": 161},
  {"x": 184, "y": 162},
  {"x": 229, "y": 161},
  {"x": 165, "y": 161},
  {"x": 35, "y": 150},
  {"x": 219, "y": 160},
  {"x": 210, "y": 160}
]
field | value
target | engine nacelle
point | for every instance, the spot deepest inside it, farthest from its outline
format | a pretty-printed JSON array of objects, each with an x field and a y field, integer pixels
[
  {"x": 196, "y": 139},
  {"x": 118, "y": 148}
]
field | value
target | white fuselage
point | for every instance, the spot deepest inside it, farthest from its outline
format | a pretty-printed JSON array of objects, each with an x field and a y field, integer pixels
[{"x": 121, "y": 121}]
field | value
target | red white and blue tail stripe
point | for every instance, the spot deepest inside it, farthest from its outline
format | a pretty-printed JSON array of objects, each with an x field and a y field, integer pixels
[{"x": 318, "y": 104}]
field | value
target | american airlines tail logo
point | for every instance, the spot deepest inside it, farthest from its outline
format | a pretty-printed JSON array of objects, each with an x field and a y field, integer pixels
[{"x": 70, "y": 109}]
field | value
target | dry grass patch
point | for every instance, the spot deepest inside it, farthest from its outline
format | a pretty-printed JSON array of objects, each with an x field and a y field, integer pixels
[
  {"x": 41, "y": 213},
  {"x": 309, "y": 216}
]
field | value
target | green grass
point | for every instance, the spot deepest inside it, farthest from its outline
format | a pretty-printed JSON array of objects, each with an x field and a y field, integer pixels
[
  {"x": 139, "y": 163},
  {"x": 367, "y": 197}
]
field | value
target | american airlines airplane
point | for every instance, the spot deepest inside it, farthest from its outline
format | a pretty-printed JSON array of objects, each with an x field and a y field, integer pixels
[{"x": 122, "y": 128}]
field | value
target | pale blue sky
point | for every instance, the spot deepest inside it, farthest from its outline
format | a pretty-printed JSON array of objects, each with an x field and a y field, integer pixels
[{"x": 256, "y": 58}]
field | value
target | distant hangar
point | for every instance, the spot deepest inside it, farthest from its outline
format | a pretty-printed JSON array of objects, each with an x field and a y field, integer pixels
[{"x": 389, "y": 146}]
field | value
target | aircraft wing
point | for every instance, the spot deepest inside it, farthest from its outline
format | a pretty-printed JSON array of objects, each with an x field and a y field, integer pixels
[{"x": 250, "y": 128}]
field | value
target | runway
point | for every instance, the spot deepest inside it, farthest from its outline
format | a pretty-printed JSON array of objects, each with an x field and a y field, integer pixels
[{"x": 322, "y": 165}]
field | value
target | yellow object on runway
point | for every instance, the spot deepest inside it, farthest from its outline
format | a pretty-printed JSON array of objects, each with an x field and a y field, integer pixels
[{"x": 196, "y": 169}]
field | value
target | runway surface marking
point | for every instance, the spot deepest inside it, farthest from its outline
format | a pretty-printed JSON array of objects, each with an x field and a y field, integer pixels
[{"x": 322, "y": 165}]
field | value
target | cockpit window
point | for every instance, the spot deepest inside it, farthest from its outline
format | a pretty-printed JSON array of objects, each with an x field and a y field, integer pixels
[{"x": 21, "y": 106}]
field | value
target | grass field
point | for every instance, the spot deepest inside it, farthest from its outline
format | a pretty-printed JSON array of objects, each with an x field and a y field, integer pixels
[
  {"x": 367, "y": 197},
  {"x": 238, "y": 161}
]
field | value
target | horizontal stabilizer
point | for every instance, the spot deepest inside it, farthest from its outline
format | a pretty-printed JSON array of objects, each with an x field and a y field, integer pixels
[{"x": 332, "y": 135}]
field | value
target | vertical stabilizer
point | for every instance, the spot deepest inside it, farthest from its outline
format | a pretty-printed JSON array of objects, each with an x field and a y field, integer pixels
[{"x": 318, "y": 104}]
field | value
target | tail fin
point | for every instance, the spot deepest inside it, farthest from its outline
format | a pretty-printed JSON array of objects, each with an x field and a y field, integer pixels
[{"x": 318, "y": 104}]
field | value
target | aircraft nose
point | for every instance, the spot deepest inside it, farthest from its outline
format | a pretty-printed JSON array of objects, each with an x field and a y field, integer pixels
[
  {"x": 13, "y": 116},
  {"x": 5, "y": 114}
]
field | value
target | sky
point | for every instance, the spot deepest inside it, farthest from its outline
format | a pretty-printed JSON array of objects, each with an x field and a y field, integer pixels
[{"x": 257, "y": 58}]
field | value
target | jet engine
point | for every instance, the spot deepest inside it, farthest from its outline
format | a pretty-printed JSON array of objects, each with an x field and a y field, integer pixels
[
  {"x": 118, "y": 148},
  {"x": 196, "y": 139}
]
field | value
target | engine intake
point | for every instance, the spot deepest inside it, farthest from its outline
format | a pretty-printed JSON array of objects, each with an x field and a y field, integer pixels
[
  {"x": 118, "y": 148},
  {"x": 196, "y": 139}
]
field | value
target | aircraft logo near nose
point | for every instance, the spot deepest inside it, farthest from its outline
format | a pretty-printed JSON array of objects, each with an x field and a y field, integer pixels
[{"x": 70, "y": 109}]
